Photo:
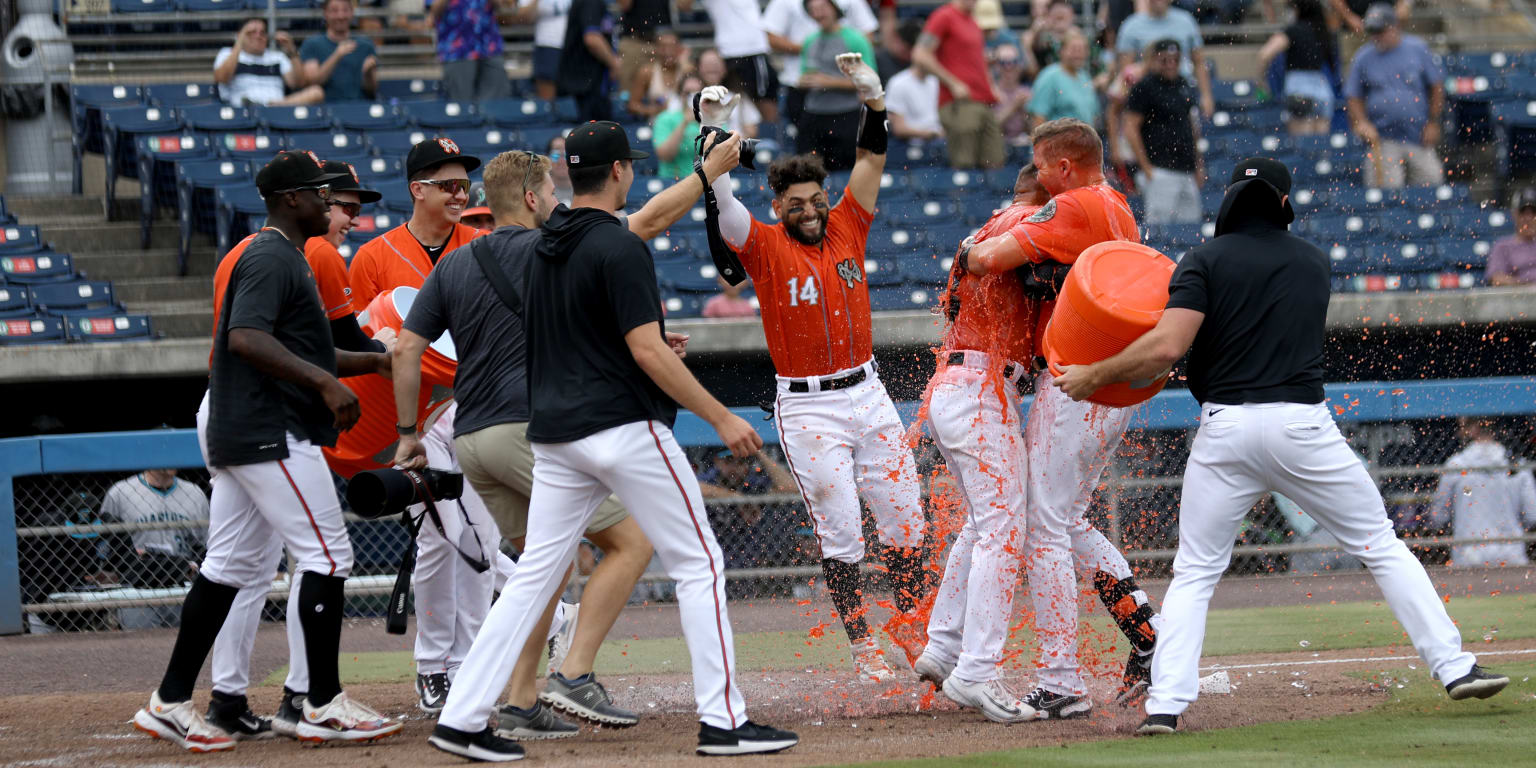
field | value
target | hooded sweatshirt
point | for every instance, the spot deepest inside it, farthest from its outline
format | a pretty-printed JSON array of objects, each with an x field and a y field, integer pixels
[
  {"x": 593, "y": 282},
  {"x": 1482, "y": 500}
]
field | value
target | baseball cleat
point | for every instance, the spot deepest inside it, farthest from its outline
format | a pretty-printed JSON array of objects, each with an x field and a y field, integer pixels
[
  {"x": 484, "y": 746},
  {"x": 1136, "y": 681},
  {"x": 537, "y": 724},
  {"x": 1478, "y": 683},
  {"x": 992, "y": 697},
  {"x": 909, "y": 634},
  {"x": 432, "y": 692},
  {"x": 560, "y": 641},
  {"x": 749, "y": 738},
  {"x": 345, "y": 720},
  {"x": 179, "y": 724},
  {"x": 1056, "y": 706},
  {"x": 930, "y": 669},
  {"x": 289, "y": 713},
  {"x": 233, "y": 715},
  {"x": 1158, "y": 725},
  {"x": 587, "y": 699},
  {"x": 869, "y": 662}
]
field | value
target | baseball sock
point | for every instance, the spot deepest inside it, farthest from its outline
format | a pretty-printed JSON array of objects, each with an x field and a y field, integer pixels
[
  {"x": 320, "y": 609},
  {"x": 844, "y": 583},
  {"x": 909, "y": 579},
  {"x": 204, "y": 611},
  {"x": 1132, "y": 610}
]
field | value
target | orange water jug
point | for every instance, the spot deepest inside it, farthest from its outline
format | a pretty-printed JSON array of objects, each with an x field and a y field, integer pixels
[
  {"x": 370, "y": 444},
  {"x": 1115, "y": 292}
]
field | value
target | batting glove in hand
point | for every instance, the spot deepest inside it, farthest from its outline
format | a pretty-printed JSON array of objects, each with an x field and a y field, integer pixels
[
  {"x": 963, "y": 255},
  {"x": 863, "y": 76},
  {"x": 716, "y": 103}
]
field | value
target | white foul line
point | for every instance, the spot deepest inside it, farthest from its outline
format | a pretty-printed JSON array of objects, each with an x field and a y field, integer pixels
[{"x": 1314, "y": 662}]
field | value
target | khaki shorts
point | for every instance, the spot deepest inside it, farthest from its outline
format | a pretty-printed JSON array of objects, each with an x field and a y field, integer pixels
[
  {"x": 973, "y": 134},
  {"x": 498, "y": 462},
  {"x": 633, "y": 54}
]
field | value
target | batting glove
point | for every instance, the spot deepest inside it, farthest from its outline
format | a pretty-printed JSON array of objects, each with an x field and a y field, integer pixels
[
  {"x": 716, "y": 103},
  {"x": 863, "y": 76}
]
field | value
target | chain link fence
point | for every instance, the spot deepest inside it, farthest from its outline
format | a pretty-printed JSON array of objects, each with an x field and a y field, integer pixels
[{"x": 102, "y": 551}]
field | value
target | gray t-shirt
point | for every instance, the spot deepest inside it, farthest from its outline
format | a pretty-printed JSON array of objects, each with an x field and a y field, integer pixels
[{"x": 491, "y": 384}]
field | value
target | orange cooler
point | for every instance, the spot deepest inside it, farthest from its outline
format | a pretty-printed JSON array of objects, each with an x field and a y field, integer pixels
[
  {"x": 370, "y": 444},
  {"x": 1115, "y": 292}
]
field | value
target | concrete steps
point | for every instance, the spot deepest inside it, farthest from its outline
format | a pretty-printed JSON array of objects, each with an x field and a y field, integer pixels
[
  {"x": 178, "y": 319},
  {"x": 143, "y": 290},
  {"x": 115, "y": 263}
]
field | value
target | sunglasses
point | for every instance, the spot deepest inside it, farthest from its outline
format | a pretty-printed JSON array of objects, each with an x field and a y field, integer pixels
[
  {"x": 449, "y": 186},
  {"x": 323, "y": 190},
  {"x": 528, "y": 174},
  {"x": 353, "y": 209}
]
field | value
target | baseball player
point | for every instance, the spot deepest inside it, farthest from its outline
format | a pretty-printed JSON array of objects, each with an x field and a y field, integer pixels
[
  {"x": 478, "y": 214},
  {"x": 604, "y": 386},
  {"x": 972, "y": 411},
  {"x": 273, "y": 399},
  {"x": 1251, "y": 307},
  {"x": 840, "y": 432},
  {"x": 1069, "y": 444}
]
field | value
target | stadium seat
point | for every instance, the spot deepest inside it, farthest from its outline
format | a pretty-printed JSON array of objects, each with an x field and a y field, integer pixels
[
  {"x": 327, "y": 144},
  {"x": 930, "y": 270},
  {"x": 1443, "y": 196},
  {"x": 566, "y": 111},
  {"x": 366, "y": 116},
  {"x": 292, "y": 119},
  {"x": 443, "y": 117},
  {"x": 537, "y": 138},
  {"x": 141, "y": 6},
  {"x": 1486, "y": 64},
  {"x": 696, "y": 277},
  {"x": 1335, "y": 228},
  {"x": 218, "y": 118},
  {"x": 902, "y": 297},
  {"x": 45, "y": 266},
  {"x": 894, "y": 241},
  {"x": 1234, "y": 94},
  {"x": 918, "y": 215},
  {"x": 1521, "y": 85},
  {"x": 486, "y": 143},
  {"x": 397, "y": 199},
  {"x": 199, "y": 6},
  {"x": 176, "y": 95},
  {"x": 927, "y": 154},
  {"x": 20, "y": 239},
  {"x": 372, "y": 223},
  {"x": 5, "y": 216},
  {"x": 239, "y": 211},
  {"x": 515, "y": 113},
  {"x": 247, "y": 145},
  {"x": 77, "y": 297},
  {"x": 399, "y": 91},
  {"x": 378, "y": 168},
  {"x": 882, "y": 272},
  {"x": 683, "y": 304},
  {"x": 120, "y": 129},
  {"x": 195, "y": 184},
  {"x": 86, "y": 105},
  {"x": 675, "y": 248},
  {"x": 394, "y": 143},
  {"x": 158, "y": 156},
  {"x": 36, "y": 329},
  {"x": 15, "y": 300},
  {"x": 1463, "y": 253},
  {"x": 115, "y": 327}
]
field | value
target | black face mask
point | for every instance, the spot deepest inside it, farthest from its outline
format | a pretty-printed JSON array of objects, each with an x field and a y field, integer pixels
[{"x": 821, "y": 209}]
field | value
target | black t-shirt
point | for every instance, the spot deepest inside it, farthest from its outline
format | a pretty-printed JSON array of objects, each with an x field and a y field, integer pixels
[
  {"x": 271, "y": 290},
  {"x": 580, "y": 71},
  {"x": 644, "y": 16},
  {"x": 1309, "y": 51},
  {"x": 592, "y": 282},
  {"x": 1164, "y": 106},
  {"x": 491, "y": 383},
  {"x": 1264, "y": 293}
]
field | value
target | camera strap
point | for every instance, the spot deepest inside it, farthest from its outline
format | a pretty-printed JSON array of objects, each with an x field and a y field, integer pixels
[
  {"x": 395, "y": 622},
  {"x": 497, "y": 277},
  {"x": 727, "y": 264}
]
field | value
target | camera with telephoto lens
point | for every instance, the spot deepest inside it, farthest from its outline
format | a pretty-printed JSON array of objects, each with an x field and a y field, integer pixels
[
  {"x": 703, "y": 142},
  {"x": 384, "y": 492}
]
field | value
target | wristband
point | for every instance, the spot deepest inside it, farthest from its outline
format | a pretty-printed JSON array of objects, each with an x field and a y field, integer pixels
[
  {"x": 873, "y": 134},
  {"x": 404, "y": 431}
]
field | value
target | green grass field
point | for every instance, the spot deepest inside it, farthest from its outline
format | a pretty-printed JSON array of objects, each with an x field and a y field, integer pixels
[{"x": 1230, "y": 632}]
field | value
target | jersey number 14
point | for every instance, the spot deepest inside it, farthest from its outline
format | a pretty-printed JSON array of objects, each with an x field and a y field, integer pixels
[{"x": 806, "y": 292}]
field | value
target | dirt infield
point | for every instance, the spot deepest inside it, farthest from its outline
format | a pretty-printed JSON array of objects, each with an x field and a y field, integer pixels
[{"x": 67, "y": 698}]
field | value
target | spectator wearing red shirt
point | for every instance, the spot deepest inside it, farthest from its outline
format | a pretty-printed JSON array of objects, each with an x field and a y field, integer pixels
[{"x": 953, "y": 47}]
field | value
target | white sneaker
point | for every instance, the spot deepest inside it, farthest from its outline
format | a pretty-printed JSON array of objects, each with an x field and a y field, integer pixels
[
  {"x": 181, "y": 725},
  {"x": 992, "y": 697},
  {"x": 344, "y": 720},
  {"x": 560, "y": 639},
  {"x": 930, "y": 669},
  {"x": 869, "y": 662}
]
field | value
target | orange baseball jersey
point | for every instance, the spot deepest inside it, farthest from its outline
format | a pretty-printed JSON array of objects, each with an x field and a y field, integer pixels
[
  {"x": 221, "y": 277},
  {"x": 994, "y": 316},
  {"x": 815, "y": 300},
  {"x": 1074, "y": 220},
  {"x": 396, "y": 258},
  {"x": 331, "y": 279}
]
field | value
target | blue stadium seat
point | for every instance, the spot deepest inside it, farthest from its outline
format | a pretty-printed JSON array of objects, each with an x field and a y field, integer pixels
[
  {"x": 239, "y": 211},
  {"x": 515, "y": 113},
  {"x": 696, "y": 277},
  {"x": 77, "y": 297},
  {"x": 15, "y": 300},
  {"x": 1521, "y": 85},
  {"x": 397, "y": 199},
  {"x": 1463, "y": 253},
  {"x": 1486, "y": 64},
  {"x": 5, "y": 216},
  {"x": 218, "y": 118},
  {"x": 120, "y": 127},
  {"x": 394, "y": 143},
  {"x": 35, "y": 267},
  {"x": 1490, "y": 224},
  {"x": 1408, "y": 223},
  {"x": 175, "y": 95},
  {"x": 373, "y": 223},
  {"x": 683, "y": 304},
  {"x": 677, "y": 247},
  {"x": 926, "y": 154},
  {"x": 883, "y": 272},
  {"x": 566, "y": 112},
  {"x": 927, "y": 213},
  {"x": 20, "y": 239},
  {"x": 327, "y": 144},
  {"x": 198, "y": 6},
  {"x": 247, "y": 145},
  {"x": 37, "y": 329},
  {"x": 894, "y": 241},
  {"x": 86, "y": 105},
  {"x": 937, "y": 182},
  {"x": 927, "y": 269},
  {"x": 443, "y": 117},
  {"x": 1443, "y": 196},
  {"x": 1234, "y": 94},
  {"x": 537, "y": 138},
  {"x": 1352, "y": 198},
  {"x": 400, "y": 91},
  {"x": 486, "y": 143},
  {"x": 158, "y": 156},
  {"x": 1335, "y": 228},
  {"x": 367, "y": 116},
  {"x": 902, "y": 297},
  {"x": 377, "y": 168},
  {"x": 119, "y": 326},
  {"x": 291, "y": 119},
  {"x": 196, "y": 181},
  {"x": 141, "y": 6}
]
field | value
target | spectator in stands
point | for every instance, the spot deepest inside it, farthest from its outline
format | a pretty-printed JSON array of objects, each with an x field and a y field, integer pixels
[
  {"x": 713, "y": 71},
  {"x": 661, "y": 79},
  {"x": 477, "y": 212},
  {"x": 1351, "y": 15},
  {"x": 1013, "y": 94},
  {"x": 742, "y": 41},
  {"x": 1064, "y": 89},
  {"x": 750, "y": 536},
  {"x": 829, "y": 122},
  {"x": 470, "y": 48},
  {"x": 912, "y": 97},
  {"x": 641, "y": 25},
  {"x": 952, "y": 47},
  {"x": 1111, "y": 14},
  {"x": 788, "y": 24},
  {"x": 1481, "y": 498},
  {"x": 674, "y": 131},
  {"x": 1048, "y": 29},
  {"x": 1164, "y": 131},
  {"x": 261, "y": 76},
  {"x": 345, "y": 65},
  {"x": 1513, "y": 260},
  {"x": 559, "y": 170},
  {"x": 729, "y": 301},
  {"x": 1163, "y": 22},
  {"x": 548, "y": 18},
  {"x": 157, "y": 559},
  {"x": 589, "y": 65},
  {"x": 1396, "y": 99},
  {"x": 1311, "y": 56},
  {"x": 989, "y": 16}
]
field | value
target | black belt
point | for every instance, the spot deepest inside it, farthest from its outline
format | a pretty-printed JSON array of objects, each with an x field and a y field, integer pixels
[
  {"x": 841, "y": 382},
  {"x": 1025, "y": 384}
]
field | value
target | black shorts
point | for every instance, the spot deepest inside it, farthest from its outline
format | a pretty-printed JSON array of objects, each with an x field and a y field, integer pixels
[{"x": 755, "y": 76}]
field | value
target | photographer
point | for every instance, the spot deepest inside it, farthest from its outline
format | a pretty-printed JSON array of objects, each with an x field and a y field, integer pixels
[
  {"x": 840, "y": 430},
  {"x": 490, "y": 430}
]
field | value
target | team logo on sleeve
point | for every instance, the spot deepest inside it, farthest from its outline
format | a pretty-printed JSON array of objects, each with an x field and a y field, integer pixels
[
  {"x": 448, "y": 146},
  {"x": 1046, "y": 212},
  {"x": 849, "y": 271}
]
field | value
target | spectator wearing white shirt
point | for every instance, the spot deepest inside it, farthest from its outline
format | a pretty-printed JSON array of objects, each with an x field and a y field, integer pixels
[
  {"x": 912, "y": 98},
  {"x": 713, "y": 71},
  {"x": 259, "y": 75},
  {"x": 1481, "y": 498},
  {"x": 788, "y": 25},
  {"x": 548, "y": 19},
  {"x": 741, "y": 40}
]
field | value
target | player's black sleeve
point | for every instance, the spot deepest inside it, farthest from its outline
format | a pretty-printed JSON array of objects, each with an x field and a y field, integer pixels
[
  {"x": 1189, "y": 287},
  {"x": 348, "y": 336}
]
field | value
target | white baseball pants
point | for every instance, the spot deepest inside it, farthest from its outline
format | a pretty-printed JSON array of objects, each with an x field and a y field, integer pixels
[
  {"x": 1243, "y": 452},
  {"x": 976, "y": 427},
  {"x": 642, "y": 464},
  {"x": 842, "y": 443},
  {"x": 1069, "y": 444},
  {"x": 237, "y": 638}
]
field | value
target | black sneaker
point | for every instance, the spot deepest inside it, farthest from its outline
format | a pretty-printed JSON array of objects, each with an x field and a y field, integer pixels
[
  {"x": 233, "y": 715},
  {"x": 1479, "y": 683},
  {"x": 432, "y": 692},
  {"x": 1055, "y": 706},
  {"x": 749, "y": 738},
  {"x": 537, "y": 724},
  {"x": 1158, "y": 725},
  {"x": 289, "y": 713},
  {"x": 585, "y": 698},
  {"x": 1136, "y": 681},
  {"x": 484, "y": 746}
]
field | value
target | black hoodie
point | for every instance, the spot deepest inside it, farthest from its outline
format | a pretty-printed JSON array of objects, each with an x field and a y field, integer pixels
[
  {"x": 593, "y": 282},
  {"x": 1264, "y": 293}
]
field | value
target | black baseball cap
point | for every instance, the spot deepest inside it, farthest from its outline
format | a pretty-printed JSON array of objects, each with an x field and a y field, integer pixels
[
  {"x": 430, "y": 153},
  {"x": 1271, "y": 172},
  {"x": 598, "y": 143},
  {"x": 1167, "y": 45},
  {"x": 291, "y": 169},
  {"x": 1525, "y": 198},
  {"x": 1256, "y": 173},
  {"x": 349, "y": 182}
]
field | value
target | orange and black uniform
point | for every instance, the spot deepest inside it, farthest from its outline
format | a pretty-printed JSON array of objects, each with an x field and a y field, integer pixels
[
  {"x": 331, "y": 279},
  {"x": 394, "y": 259},
  {"x": 993, "y": 315}
]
